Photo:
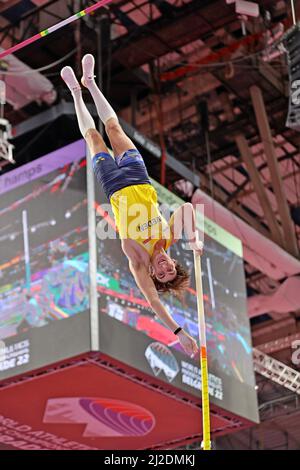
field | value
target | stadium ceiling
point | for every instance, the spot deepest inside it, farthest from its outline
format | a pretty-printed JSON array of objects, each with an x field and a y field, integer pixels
[
  {"x": 173, "y": 67},
  {"x": 207, "y": 57}
]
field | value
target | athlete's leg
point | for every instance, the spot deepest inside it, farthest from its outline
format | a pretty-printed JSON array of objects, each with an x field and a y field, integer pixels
[
  {"x": 120, "y": 142},
  {"x": 95, "y": 142},
  {"x": 129, "y": 167},
  {"x": 86, "y": 123}
]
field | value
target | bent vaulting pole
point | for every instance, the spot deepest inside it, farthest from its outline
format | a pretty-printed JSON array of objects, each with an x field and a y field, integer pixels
[
  {"x": 203, "y": 355},
  {"x": 46, "y": 32}
]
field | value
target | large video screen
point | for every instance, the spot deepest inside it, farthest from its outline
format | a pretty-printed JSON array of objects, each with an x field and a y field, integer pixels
[
  {"x": 132, "y": 333},
  {"x": 44, "y": 280},
  {"x": 45, "y": 290}
]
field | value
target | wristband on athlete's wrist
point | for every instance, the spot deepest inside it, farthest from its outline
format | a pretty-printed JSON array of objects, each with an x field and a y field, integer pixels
[{"x": 177, "y": 330}]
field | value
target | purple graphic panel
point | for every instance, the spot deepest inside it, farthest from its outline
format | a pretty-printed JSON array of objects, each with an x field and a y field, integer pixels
[{"x": 42, "y": 166}]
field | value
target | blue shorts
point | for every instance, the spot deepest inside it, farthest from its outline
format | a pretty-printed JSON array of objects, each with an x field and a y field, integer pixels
[{"x": 127, "y": 169}]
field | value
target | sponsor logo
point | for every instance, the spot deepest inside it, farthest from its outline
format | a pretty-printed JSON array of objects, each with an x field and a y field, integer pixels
[
  {"x": 149, "y": 224},
  {"x": 21, "y": 177},
  {"x": 104, "y": 417},
  {"x": 24, "y": 437},
  {"x": 161, "y": 359}
]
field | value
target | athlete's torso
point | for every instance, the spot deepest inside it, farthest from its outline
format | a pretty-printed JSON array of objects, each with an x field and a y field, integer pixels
[{"x": 138, "y": 217}]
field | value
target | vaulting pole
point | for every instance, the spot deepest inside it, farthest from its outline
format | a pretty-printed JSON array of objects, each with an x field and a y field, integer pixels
[{"x": 203, "y": 356}]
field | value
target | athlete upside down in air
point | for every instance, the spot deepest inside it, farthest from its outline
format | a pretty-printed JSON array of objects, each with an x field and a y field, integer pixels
[{"x": 126, "y": 182}]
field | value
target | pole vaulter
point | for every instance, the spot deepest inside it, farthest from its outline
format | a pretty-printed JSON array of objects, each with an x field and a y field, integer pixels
[{"x": 126, "y": 175}]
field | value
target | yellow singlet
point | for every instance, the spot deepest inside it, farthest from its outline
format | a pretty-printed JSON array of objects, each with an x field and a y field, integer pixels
[{"x": 138, "y": 217}]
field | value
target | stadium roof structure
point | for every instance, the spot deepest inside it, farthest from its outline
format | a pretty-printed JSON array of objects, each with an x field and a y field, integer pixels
[{"x": 203, "y": 82}]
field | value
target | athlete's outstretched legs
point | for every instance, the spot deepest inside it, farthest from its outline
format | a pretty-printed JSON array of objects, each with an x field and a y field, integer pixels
[
  {"x": 86, "y": 123},
  {"x": 120, "y": 142}
]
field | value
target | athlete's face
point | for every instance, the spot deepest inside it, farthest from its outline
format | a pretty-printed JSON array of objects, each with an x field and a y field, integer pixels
[{"x": 164, "y": 268}]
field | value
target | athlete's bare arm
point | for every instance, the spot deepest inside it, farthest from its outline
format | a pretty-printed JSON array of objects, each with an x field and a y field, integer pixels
[
  {"x": 184, "y": 219},
  {"x": 147, "y": 287},
  {"x": 139, "y": 270}
]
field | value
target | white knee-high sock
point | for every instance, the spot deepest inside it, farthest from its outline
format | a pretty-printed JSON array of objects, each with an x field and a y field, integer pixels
[
  {"x": 85, "y": 120},
  {"x": 104, "y": 109}
]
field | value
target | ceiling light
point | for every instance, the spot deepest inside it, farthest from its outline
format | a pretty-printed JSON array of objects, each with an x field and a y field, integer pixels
[{"x": 247, "y": 8}]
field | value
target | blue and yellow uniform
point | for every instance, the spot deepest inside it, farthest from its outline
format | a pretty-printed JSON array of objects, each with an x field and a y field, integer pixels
[{"x": 127, "y": 185}]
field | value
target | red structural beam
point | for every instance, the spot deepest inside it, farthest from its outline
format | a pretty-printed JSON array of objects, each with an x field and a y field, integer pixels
[{"x": 213, "y": 57}]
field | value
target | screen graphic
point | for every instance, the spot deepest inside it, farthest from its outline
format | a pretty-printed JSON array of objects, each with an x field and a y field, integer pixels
[{"x": 43, "y": 249}]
